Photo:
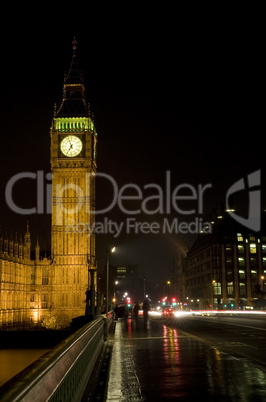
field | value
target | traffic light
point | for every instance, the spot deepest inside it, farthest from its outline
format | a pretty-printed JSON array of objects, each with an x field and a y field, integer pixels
[
  {"x": 173, "y": 301},
  {"x": 128, "y": 302}
]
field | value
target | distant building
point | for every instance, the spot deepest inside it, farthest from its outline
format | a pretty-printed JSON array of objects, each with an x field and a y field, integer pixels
[
  {"x": 178, "y": 279},
  {"x": 226, "y": 269},
  {"x": 122, "y": 278}
]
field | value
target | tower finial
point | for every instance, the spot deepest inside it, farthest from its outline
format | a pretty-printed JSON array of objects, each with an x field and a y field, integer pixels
[{"x": 74, "y": 43}]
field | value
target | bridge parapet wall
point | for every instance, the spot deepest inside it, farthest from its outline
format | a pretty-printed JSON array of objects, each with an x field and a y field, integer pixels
[{"x": 61, "y": 374}]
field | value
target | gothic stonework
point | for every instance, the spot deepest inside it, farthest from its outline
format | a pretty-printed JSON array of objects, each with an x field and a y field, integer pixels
[
  {"x": 73, "y": 164},
  {"x": 32, "y": 285}
]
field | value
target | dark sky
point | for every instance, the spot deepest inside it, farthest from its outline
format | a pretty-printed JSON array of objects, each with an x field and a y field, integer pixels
[{"x": 167, "y": 93}]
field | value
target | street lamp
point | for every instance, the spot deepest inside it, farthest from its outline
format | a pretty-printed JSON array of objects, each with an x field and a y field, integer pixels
[
  {"x": 115, "y": 288},
  {"x": 212, "y": 287},
  {"x": 107, "y": 277}
]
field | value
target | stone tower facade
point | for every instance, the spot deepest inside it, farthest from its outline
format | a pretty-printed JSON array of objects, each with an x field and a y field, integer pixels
[{"x": 73, "y": 165}]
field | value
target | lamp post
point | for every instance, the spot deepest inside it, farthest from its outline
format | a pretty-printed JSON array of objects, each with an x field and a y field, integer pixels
[
  {"x": 107, "y": 277},
  {"x": 212, "y": 287},
  {"x": 91, "y": 308},
  {"x": 115, "y": 289}
]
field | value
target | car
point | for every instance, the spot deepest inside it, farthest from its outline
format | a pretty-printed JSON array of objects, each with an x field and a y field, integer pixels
[{"x": 168, "y": 312}]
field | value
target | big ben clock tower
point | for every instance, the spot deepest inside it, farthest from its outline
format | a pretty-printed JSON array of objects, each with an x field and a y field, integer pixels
[{"x": 73, "y": 164}]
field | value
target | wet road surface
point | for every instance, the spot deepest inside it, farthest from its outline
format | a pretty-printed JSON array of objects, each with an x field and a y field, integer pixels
[
  {"x": 240, "y": 337},
  {"x": 163, "y": 361}
]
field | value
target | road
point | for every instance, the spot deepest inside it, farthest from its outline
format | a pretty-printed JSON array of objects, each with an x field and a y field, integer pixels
[
  {"x": 184, "y": 358},
  {"x": 237, "y": 336}
]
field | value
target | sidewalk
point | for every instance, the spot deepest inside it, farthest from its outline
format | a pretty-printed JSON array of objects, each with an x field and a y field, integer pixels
[{"x": 123, "y": 384}]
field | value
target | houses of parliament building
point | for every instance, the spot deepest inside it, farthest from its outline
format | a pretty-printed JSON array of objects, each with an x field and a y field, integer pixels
[{"x": 32, "y": 287}]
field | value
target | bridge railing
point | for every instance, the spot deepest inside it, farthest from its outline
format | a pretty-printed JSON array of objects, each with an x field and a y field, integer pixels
[{"x": 61, "y": 374}]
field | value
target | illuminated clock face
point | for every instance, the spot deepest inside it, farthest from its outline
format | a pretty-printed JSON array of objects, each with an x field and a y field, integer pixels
[{"x": 71, "y": 146}]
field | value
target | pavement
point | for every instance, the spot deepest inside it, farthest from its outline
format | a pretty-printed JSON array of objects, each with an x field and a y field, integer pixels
[
  {"x": 155, "y": 361},
  {"x": 123, "y": 384}
]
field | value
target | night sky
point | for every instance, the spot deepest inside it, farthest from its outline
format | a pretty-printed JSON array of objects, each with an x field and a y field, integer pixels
[{"x": 183, "y": 97}]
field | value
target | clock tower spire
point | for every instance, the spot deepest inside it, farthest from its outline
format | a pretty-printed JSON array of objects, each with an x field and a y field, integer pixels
[
  {"x": 73, "y": 164},
  {"x": 74, "y": 98}
]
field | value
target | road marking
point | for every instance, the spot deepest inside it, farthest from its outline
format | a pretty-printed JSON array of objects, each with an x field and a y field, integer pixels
[
  {"x": 245, "y": 326},
  {"x": 153, "y": 337},
  {"x": 236, "y": 344},
  {"x": 238, "y": 325}
]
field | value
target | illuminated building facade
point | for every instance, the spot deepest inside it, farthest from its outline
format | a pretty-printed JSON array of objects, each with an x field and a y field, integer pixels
[
  {"x": 25, "y": 282},
  {"x": 31, "y": 286},
  {"x": 226, "y": 269},
  {"x": 73, "y": 165}
]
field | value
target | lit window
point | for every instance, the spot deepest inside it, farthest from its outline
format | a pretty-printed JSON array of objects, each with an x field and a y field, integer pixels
[
  {"x": 241, "y": 261},
  {"x": 242, "y": 289},
  {"x": 32, "y": 301},
  {"x": 240, "y": 249},
  {"x": 45, "y": 276},
  {"x": 228, "y": 248},
  {"x": 121, "y": 270},
  {"x": 44, "y": 301},
  {"x": 242, "y": 274},
  {"x": 230, "y": 288},
  {"x": 252, "y": 248},
  {"x": 217, "y": 289},
  {"x": 254, "y": 274},
  {"x": 263, "y": 248},
  {"x": 239, "y": 237}
]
